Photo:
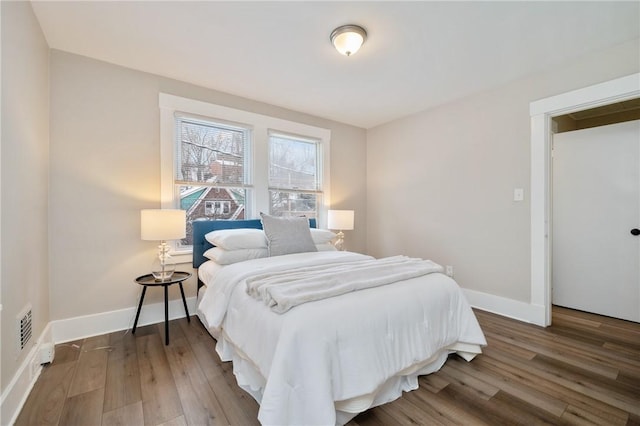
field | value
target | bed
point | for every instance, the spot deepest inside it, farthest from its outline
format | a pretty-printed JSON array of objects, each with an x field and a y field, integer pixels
[{"x": 324, "y": 361}]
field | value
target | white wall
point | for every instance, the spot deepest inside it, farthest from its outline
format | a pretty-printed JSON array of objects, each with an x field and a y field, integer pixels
[
  {"x": 450, "y": 172},
  {"x": 105, "y": 167},
  {"x": 24, "y": 179}
]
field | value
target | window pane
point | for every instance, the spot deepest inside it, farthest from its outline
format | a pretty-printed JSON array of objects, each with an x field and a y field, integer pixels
[
  {"x": 293, "y": 163},
  {"x": 208, "y": 203},
  {"x": 293, "y": 204},
  {"x": 209, "y": 152}
]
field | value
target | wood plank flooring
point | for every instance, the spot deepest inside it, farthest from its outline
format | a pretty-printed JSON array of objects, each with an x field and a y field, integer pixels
[{"x": 583, "y": 370}]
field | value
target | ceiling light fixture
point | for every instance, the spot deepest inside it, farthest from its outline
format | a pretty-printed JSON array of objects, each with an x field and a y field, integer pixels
[{"x": 347, "y": 39}]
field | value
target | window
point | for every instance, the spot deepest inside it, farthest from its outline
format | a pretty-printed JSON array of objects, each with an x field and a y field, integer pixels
[
  {"x": 295, "y": 184},
  {"x": 211, "y": 179},
  {"x": 223, "y": 163}
]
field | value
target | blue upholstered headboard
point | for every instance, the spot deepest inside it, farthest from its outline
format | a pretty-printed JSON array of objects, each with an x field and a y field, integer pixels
[{"x": 202, "y": 228}]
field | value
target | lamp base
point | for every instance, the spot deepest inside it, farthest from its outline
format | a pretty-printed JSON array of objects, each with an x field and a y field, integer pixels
[
  {"x": 162, "y": 275},
  {"x": 163, "y": 265},
  {"x": 339, "y": 242}
]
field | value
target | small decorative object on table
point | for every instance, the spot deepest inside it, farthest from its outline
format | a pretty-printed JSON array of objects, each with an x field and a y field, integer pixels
[{"x": 150, "y": 280}]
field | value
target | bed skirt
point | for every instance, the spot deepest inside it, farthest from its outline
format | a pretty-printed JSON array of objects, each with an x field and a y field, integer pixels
[{"x": 251, "y": 381}]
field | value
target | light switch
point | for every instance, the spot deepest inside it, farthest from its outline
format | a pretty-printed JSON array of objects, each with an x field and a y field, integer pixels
[{"x": 518, "y": 194}]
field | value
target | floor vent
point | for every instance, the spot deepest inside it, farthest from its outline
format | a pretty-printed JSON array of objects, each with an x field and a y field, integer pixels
[{"x": 24, "y": 328}]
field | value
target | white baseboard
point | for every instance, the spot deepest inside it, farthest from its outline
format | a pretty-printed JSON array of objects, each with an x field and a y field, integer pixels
[
  {"x": 76, "y": 328},
  {"x": 515, "y": 309},
  {"x": 18, "y": 389},
  {"x": 60, "y": 331}
]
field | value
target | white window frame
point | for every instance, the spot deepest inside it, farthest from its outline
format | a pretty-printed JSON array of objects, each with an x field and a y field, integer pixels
[{"x": 258, "y": 165}]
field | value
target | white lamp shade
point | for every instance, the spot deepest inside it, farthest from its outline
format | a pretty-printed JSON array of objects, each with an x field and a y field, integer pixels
[
  {"x": 165, "y": 224},
  {"x": 341, "y": 220}
]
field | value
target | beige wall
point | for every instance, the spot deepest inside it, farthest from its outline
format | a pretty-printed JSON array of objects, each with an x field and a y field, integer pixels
[
  {"x": 105, "y": 167},
  {"x": 449, "y": 173},
  {"x": 24, "y": 179},
  {"x": 438, "y": 184}
]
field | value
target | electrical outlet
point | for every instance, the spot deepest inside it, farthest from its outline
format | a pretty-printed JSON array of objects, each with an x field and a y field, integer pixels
[
  {"x": 518, "y": 194},
  {"x": 449, "y": 270}
]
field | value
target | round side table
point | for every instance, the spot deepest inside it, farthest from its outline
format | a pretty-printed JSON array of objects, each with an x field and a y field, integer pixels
[{"x": 149, "y": 281}]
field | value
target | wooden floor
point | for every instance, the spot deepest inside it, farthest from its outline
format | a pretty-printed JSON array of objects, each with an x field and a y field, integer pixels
[{"x": 585, "y": 369}]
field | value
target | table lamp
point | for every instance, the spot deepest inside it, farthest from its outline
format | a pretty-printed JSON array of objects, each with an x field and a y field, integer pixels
[
  {"x": 162, "y": 225},
  {"x": 340, "y": 220}
]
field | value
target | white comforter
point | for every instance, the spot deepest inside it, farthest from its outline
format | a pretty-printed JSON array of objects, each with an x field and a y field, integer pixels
[
  {"x": 283, "y": 290},
  {"x": 338, "y": 354}
]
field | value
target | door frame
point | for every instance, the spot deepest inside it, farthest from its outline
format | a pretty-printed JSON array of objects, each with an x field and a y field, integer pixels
[{"x": 542, "y": 111}]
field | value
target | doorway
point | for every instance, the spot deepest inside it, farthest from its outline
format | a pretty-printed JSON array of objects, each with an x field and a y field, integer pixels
[{"x": 542, "y": 111}]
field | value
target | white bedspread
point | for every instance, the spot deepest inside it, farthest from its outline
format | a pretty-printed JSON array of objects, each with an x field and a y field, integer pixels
[{"x": 319, "y": 357}]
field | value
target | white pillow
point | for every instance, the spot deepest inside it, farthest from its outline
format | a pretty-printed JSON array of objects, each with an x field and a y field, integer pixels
[
  {"x": 322, "y": 236},
  {"x": 227, "y": 257},
  {"x": 326, "y": 247},
  {"x": 237, "y": 239},
  {"x": 287, "y": 235}
]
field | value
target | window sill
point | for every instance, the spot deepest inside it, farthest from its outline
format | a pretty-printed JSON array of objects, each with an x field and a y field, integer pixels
[{"x": 182, "y": 258}]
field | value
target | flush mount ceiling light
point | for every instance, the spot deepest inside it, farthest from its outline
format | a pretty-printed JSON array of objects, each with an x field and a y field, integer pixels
[{"x": 347, "y": 39}]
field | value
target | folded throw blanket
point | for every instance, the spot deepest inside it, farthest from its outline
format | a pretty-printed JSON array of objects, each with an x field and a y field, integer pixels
[{"x": 283, "y": 290}]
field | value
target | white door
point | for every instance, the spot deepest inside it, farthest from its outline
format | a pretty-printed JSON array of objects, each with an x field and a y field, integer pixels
[{"x": 596, "y": 207}]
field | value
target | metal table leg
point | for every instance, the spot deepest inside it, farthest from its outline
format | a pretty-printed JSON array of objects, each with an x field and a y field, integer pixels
[
  {"x": 135, "y": 323},
  {"x": 184, "y": 302},
  {"x": 166, "y": 314}
]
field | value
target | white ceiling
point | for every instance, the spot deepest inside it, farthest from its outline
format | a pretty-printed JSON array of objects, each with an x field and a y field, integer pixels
[{"x": 418, "y": 54}]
